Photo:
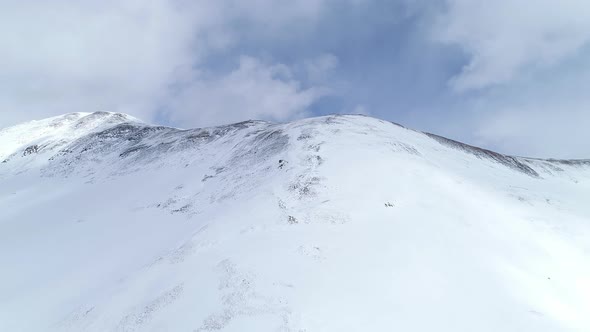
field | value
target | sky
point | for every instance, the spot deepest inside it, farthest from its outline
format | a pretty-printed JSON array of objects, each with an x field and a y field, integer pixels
[{"x": 508, "y": 75}]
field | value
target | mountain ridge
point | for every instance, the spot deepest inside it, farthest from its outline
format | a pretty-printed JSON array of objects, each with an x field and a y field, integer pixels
[{"x": 92, "y": 123}]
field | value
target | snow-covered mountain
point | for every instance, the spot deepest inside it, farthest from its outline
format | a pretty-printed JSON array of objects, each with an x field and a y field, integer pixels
[{"x": 336, "y": 223}]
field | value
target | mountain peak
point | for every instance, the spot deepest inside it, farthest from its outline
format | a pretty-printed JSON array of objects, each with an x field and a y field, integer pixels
[{"x": 57, "y": 131}]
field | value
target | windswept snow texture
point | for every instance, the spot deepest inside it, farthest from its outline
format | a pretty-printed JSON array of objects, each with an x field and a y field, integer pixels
[{"x": 337, "y": 223}]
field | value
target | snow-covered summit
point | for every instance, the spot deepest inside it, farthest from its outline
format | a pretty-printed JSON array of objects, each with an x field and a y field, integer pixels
[
  {"x": 335, "y": 223},
  {"x": 44, "y": 141},
  {"x": 55, "y": 132}
]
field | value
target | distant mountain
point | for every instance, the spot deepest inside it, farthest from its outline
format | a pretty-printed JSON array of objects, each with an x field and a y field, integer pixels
[{"x": 335, "y": 223}]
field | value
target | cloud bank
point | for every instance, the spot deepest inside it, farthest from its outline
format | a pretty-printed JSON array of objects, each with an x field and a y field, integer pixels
[
  {"x": 505, "y": 38},
  {"x": 522, "y": 89},
  {"x": 132, "y": 56}
]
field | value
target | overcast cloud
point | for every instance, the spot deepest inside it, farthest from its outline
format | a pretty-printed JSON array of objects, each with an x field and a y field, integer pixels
[{"x": 506, "y": 75}]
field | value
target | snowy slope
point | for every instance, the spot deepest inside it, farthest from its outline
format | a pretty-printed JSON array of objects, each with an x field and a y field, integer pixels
[{"x": 337, "y": 223}]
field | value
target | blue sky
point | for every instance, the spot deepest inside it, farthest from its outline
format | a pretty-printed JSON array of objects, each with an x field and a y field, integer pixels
[{"x": 506, "y": 75}]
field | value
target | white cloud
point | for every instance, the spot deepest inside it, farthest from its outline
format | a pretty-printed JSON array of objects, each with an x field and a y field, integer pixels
[
  {"x": 254, "y": 90},
  {"x": 506, "y": 38},
  {"x": 63, "y": 56},
  {"x": 523, "y": 89},
  {"x": 546, "y": 115},
  {"x": 81, "y": 56}
]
